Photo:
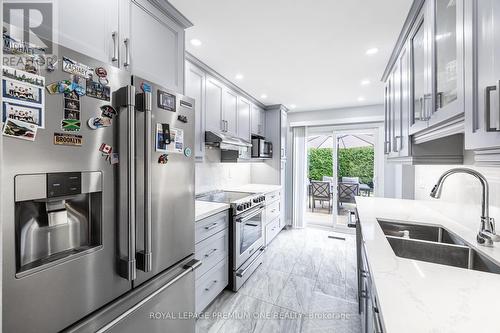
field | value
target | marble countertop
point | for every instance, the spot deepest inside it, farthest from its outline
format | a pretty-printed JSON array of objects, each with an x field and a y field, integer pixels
[
  {"x": 254, "y": 188},
  {"x": 416, "y": 296},
  {"x": 203, "y": 209}
]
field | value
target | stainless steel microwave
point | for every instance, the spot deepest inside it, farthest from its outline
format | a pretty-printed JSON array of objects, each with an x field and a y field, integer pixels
[{"x": 261, "y": 148}]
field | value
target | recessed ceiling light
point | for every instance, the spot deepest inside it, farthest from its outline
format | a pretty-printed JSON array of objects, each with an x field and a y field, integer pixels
[
  {"x": 293, "y": 106},
  {"x": 239, "y": 76},
  {"x": 372, "y": 51},
  {"x": 361, "y": 99},
  {"x": 195, "y": 42},
  {"x": 263, "y": 96},
  {"x": 365, "y": 82}
]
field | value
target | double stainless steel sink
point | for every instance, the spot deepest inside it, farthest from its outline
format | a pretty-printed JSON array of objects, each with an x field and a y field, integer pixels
[{"x": 434, "y": 244}]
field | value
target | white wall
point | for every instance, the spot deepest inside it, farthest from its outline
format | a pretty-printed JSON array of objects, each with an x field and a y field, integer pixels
[
  {"x": 370, "y": 113},
  {"x": 463, "y": 190},
  {"x": 214, "y": 175}
]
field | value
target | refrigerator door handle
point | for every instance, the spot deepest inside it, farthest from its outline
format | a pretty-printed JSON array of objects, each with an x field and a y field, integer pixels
[
  {"x": 145, "y": 258},
  {"x": 124, "y": 98}
]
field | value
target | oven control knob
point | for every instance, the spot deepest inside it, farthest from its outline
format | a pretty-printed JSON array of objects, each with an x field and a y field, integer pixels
[
  {"x": 263, "y": 198},
  {"x": 248, "y": 204},
  {"x": 256, "y": 200},
  {"x": 239, "y": 207}
]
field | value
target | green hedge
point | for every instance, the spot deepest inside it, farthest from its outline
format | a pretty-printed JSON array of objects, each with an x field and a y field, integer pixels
[{"x": 353, "y": 162}]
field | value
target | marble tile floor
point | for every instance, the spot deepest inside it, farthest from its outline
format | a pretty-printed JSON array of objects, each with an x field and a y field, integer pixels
[{"x": 307, "y": 284}]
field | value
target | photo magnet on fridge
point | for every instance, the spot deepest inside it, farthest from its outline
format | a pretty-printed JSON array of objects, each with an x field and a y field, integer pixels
[
  {"x": 71, "y": 114},
  {"x": 162, "y": 137},
  {"x": 20, "y": 130},
  {"x": 71, "y": 104},
  {"x": 98, "y": 90},
  {"x": 28, "y": 114}
]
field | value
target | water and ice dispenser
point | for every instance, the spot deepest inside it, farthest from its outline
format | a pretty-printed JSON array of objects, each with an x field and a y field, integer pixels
[{"x": 57, "y": 216}]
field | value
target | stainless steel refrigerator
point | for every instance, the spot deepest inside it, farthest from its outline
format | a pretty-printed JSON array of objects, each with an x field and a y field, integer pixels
[{"x": 98, "y": 224}]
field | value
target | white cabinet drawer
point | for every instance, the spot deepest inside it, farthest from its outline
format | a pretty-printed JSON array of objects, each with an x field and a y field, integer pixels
[
  {"x": 272, "y": 229},
  {"x": 211, "y": 284},
  {"x": 211, "y": 251},
  {"x": 272, "y": 211},
  {"x": 211, "y": 225},
  {"x": 272, "y": 196}
]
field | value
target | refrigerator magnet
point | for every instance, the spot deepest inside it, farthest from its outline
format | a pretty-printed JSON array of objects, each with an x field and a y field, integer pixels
[
  {"x": 76, "y": 68},
  {"x": 19, "y": 129},
  {"x": 145, "y": 87},
  {"x": 99, "y": 122},
  {"x": 187, "y": 152},
  {"x": 163, "y": 159},
  {"x": 114, "y": 158},
  {"x": 162, "y": 137},
  {"x": 105, "y": 149},
  {"x": 70, "y": 125},
  {"x": 98, "y": 90},
  {"x": 108, "y": 111},
  {"x": 63, "y": 139}
]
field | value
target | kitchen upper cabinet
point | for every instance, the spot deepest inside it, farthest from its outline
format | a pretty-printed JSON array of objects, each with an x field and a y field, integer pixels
[
  {"x": 152, "y": 44},
  {"x": 230, "y": 112},
  {"x": 424, "y": 92},
  {"x": 93, "y": 30},
  {"x": 195, "y": 88},
  {"x": 482, "y": 62},
  {"x": 419, "y": 75},
  {"x": 244, "y": 108},
  {"x": 447, "y": 55},
  {"x": 258, "y": 119},
  {"x": 214, "y": 105}
]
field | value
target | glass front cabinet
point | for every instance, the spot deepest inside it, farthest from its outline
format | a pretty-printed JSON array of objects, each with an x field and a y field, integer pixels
[{"x": 425, "y": 86}]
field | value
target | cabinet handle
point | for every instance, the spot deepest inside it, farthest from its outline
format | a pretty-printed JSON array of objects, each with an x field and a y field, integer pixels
[
  {"x": 210, "y": 253},
  {"x": 213, "y": 225},
  {"x": 115, "y": 46},
  {"x": 376, "y": 319},
  {"x": 213, "y": 283},
  {"x": 439, "y": 100},
  {"x": 126, "y": 41},
  {"x": 398, "y": 140},
  {"x": 427, "y": 112},
  {"x": 487, "y": 108}
]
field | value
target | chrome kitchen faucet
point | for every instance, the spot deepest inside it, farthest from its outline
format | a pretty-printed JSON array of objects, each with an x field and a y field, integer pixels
[{"x": 486, "y": 235}]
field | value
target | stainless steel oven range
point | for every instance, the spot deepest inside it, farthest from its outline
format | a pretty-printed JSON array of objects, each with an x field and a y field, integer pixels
[{"x": 246, "y": 231}]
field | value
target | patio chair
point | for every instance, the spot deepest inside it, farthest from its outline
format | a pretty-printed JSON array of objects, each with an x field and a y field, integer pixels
[
  {"x": 321, "y": 191},
  {"x": 347, "y": 192},
  {"x": 354, "y": 180}
]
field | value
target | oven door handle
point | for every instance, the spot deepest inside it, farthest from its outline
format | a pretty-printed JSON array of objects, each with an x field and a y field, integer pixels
[
  {"x": 250, "y": 216},
  {"x": 241, "y": 273}
]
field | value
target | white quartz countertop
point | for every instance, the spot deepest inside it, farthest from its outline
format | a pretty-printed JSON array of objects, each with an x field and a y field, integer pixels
[
  {"x": 254, "y": 188},
  {"x": 416, "y": 296},
  {"x": 203, "y": 209}
]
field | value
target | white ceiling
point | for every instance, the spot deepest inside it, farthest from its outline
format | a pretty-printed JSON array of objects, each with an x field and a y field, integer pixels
[{"x": 311, "y": 53}]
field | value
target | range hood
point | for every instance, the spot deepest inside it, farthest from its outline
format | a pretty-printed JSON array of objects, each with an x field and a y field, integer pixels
[{"x": 225, "y": 141}]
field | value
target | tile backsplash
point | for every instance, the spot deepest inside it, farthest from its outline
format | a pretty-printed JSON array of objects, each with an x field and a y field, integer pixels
[
  {"x": 214, "y": 175},
  {"x": 461, "y": 193}
]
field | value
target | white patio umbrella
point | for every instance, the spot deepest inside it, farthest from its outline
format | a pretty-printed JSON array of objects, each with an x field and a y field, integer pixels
[{"x": 345, "y": 141}]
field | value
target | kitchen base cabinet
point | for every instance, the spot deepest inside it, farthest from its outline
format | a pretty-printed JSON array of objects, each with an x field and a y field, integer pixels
[
  {"x": 272, "y": 230},
  {"x": 212, "y": 250},
  {"x": 211, "y": 284},
  {"x": 371, "y": 317}
]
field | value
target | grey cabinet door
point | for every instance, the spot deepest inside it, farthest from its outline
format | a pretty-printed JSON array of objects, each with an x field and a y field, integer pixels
[
  {"x": 89, "y": 27},
  {"x": 395, "y": 110},
  {"x": 244, "y": 107},
  {"x": 230, "y": 112},
  {"x": 482, "y": 63},
  {"x": 152, "y": 45},
  {"x": 404, "y": 142},
  {"x": 420, "y": 93},
  {"x": 213, "y": 105},
  {"x": 262, "y": 122},
  {"x": 255, "y": 119},
  {"x": 447, "y": 54},
  {"x": 195, "y": 88}
]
